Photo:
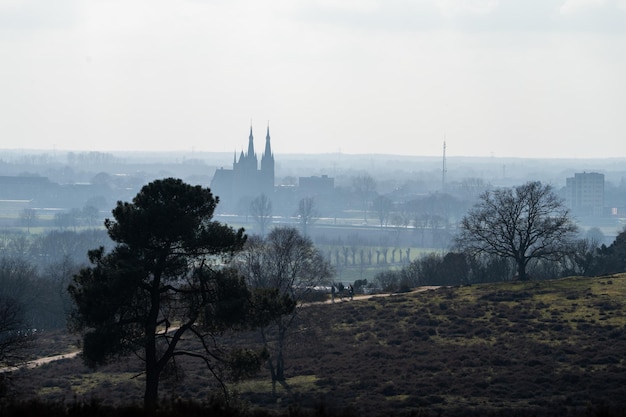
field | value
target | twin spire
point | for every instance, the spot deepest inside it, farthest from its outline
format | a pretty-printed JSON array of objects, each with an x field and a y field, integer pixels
[{"x": 268, "y": 147}]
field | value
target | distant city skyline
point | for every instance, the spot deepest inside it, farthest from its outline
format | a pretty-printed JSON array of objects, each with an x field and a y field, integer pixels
[{"x": 504, "y": 78}]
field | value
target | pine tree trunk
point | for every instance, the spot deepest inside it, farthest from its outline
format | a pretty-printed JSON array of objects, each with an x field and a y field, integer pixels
[
  {"x": 151, "y": 394},
  {"x": 280, "y": 362}
]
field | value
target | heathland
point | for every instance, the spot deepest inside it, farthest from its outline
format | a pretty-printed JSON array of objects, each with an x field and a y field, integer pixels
[{"x": 541, "y": 348}]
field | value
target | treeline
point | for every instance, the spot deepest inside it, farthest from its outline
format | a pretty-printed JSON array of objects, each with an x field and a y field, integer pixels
[
  {"x": 587, "y": 257},
  {"x": 35, "y": 271}
]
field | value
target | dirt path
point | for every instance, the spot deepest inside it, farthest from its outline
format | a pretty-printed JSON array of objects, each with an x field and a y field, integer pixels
[
  {"x": 48, "y": 359},
  {"x": 368, "y": 296},
  {"x": 41, "y": 361}
]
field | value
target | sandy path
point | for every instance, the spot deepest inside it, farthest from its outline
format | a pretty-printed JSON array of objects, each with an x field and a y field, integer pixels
[
  {"x": 42, "y": 361},
  {"x": 368, "y": 296}
]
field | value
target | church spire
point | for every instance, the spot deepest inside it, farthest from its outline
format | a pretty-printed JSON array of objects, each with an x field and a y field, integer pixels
[
  {"x": 267, "y": 164},
  {"x": 250, "y": 143},
  {"x": 268, "y": 147}
]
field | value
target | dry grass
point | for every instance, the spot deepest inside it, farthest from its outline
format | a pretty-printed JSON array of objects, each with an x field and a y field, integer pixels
[{"x": 536, "y": 348}]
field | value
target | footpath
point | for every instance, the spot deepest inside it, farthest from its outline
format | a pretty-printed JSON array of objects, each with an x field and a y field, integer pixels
[
  {"x": 345, "y": 298},
  {"x": 70, "y": 355},
  {"x": 41, "y": 361}
]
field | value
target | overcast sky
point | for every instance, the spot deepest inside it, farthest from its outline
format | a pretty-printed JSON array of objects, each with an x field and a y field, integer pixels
[{"x": 527, "y": 78}]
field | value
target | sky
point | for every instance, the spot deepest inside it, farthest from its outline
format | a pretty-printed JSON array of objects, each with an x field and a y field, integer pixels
[{"x": 503, "y": 78}]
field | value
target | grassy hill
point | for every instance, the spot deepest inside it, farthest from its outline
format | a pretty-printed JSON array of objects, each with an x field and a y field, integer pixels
[
  {"x": 529, "y": 347},
  {"x": 548, "y": 348}
]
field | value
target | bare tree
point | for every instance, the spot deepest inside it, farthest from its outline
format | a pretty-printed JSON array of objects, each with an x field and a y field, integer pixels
[
  {"x": 365, "y": 187},
  {"x": 437, "y": 226},
  {"x": 28, "y": 217},
  {"x": 306, "y": 213},
  {"x": 524, "y": 223},
  {"x": 261, "y": 212},
  {"x": 19, "y": 314},
  {"x": 595, "y": 236},
  {"x": 19, "y": 246},
  {"x": 421, "y": 222},
  {"x": 353, "y": 240},
  {"x": 403, "y": 215},
  {"x": 382, "y": 206},
  {"x": 288, "y": 262},
  {"x": 471, "y": 188},
  {"x": 91, "y": 215},
  {"x": 14, "y": 332}
]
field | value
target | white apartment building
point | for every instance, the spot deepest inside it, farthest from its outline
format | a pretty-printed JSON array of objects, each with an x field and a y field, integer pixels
[{"x": 584, "y": 194}]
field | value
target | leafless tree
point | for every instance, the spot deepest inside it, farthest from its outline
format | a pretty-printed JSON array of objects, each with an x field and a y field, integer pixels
[
  {"x": 19, "y": 246},
  {"x": 28, "y": 217},
  {"x": 473, "y": 187},
  {"x": 524, "y": 223},
  {"x": 365, "y": 188},
  {"x": 261, "y": 211},
  {"x": 421, "y": 221},
  {"x": 288, "y": 262},
  {"x": 18, "y": 313},
  {"x": 306, "y": 213},
  {"x": 403, "y": 215},
  {"x": 91, "y": 215},
  {"x": 14, "y": 333},
  {"x": 382, "y": 206}
]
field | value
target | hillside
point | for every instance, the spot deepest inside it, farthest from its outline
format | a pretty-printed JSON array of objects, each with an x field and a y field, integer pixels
[
  {"x": 537, "y": 348},
  {"x": 530, "y": 347}
]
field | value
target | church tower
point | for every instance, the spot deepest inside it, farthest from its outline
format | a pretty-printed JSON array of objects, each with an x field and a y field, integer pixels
[
  {"x": 267, "y": 166},
  {"x": 251, "y": 162},
  {"x": 245, "y": 181}
]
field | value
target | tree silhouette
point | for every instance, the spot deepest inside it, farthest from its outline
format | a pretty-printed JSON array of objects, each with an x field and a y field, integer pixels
[
  {"x": 14, "y": 331},
  {"x": 28, "y": 217},
  {"x": 167, "y": 277},
  {"x": 524, "y": 223},
  {"x": 382, "y": 206},
  {"x": 261, "y": 211},
  {"x": 286, "y": 262},
  {"x": 306, "y": 213},
  {"x": 365, "y": 187},
  {"x": 611, "y": 259}
]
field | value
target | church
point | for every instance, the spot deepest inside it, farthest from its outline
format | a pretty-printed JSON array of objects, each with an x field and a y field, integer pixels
[{"x": 237, "y": 187}]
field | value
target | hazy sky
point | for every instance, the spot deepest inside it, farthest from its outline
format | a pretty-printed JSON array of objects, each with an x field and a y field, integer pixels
[{"x": 528, "y": 78}]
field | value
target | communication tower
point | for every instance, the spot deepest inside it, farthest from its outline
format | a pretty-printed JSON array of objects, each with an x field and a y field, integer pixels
[{"x": 444, "y": 169}]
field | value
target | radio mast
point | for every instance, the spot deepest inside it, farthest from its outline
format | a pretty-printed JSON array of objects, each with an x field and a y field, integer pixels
[{"x": 444, "y": 169}]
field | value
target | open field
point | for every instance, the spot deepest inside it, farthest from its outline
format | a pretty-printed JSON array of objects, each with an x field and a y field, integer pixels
[{"x": 548, "y": 348}]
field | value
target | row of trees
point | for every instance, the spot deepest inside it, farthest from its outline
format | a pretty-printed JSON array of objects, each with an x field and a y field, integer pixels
[
  {"x": 261, "y": 212},
  {"x": 88, "y": 216},
  {"x": 31, "y": 300},
  {"x": 437, "y": 211},
  {"x": 35, "y": 270},
  {"x": 506, "y": 234},
  {"x": 44, "y": 249},
  {"x": 586, "y": 258}
]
